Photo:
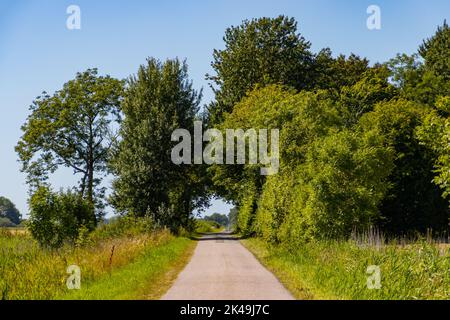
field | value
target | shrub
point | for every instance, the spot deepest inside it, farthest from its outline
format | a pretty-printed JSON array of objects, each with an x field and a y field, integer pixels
[
  {"x": 337, "y": 188},
  {"x": 128, "y": 225},
  {"x": 204, "y": 226},
  {"x": 413, "y": 203},
  {"x": 56, "y": 218}
]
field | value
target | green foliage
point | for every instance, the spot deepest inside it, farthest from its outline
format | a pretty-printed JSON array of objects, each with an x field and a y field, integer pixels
[
  {"x": 261, "y": 51},
  {"x": 435, "y": 134},
  {"x": 363, "y": 151},
  {"x": 336, "y": 189},
  {"x": 413, "y": 203},
  {"x": 56, "y": 218},
  {"x": 9, "y": 212},
  {"x": 232, "y": 217},
  {"x": 220, "y": 219},
  {"x": 335, "y": 73},
  {"x": 247, "y": 211},
  {"x": 360, "y": 98},
  {"x": 206, "y": 226},
  {"x": 124, "y": 226},
  {"x": 435, "y": 52},
  {"x": 428, "y": 79},
  {"x": 72, "y": 128},
  {"x": 158, "y": 100},
  {"x": 331, "y": 179}
]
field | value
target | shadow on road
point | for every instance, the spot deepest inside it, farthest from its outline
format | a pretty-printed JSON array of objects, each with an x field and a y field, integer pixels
[{"x": 216, "y": 236}]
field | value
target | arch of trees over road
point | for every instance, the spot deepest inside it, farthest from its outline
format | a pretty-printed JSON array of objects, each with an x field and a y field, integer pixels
[{"x": 360, "y": 145}]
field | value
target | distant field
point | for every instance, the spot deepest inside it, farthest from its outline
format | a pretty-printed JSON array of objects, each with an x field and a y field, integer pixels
[{"x": 15, "y": 230}]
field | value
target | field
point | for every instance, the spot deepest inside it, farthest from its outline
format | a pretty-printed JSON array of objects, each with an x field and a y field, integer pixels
[
  {"x": 338, "y": 269},
  {"x": 128, "y": 266}
]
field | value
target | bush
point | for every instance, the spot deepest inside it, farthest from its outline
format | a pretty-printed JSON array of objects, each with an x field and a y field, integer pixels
[
  {"x": 413, "y": 203},
  {"x": 336, "y": 189},
  {"x": 56, "y": 218},
  {"x": 203, "y": 226},
  {"x": 128, "y": 225}
]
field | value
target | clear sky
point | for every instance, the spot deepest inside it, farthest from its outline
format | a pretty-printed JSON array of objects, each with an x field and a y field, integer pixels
[{"x": 38, "y": 52}]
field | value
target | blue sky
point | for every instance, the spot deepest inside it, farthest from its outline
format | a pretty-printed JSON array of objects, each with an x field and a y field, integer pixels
[{"x": 38, "y": 52}]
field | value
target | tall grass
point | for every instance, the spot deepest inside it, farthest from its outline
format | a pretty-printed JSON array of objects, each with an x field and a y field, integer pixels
[
  {"x": 28, "y": 271},
  {"x": 338, "y": 269}
]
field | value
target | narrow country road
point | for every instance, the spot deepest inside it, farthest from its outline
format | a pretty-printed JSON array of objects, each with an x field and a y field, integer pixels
[{"x": 222, "y": 269}]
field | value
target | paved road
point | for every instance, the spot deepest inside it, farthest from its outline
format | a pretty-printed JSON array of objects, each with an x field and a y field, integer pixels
[{"x": 222, "y": 269}]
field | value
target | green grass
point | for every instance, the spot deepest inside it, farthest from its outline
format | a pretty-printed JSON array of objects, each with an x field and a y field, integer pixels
[
  {"x": 338, "y": 270},
  {"x": 145, "y": 278},
  {"x": 126, "y": 265}
]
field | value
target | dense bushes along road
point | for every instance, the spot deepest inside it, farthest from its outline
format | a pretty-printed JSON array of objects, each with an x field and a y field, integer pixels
[{"x": 126, "y": 259}]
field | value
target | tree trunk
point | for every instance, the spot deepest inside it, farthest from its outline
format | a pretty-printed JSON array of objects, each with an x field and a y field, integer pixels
[{"x": 90, "y": 178}]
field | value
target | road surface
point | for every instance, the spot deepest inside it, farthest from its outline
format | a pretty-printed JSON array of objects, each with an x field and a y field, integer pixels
[{"x": 222, "y": 269}]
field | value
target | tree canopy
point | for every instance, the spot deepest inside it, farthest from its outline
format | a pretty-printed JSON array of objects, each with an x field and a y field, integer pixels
[
  {"x": 72, "y": 128},
  {"x": 9, "y": 212},
  {"x": 158, "y": 100}
]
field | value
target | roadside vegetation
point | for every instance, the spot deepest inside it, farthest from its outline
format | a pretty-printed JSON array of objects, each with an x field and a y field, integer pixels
[
  {"x": 205, "y": 226},
  {"x": 126, "y": 259},
  {"x": 338, "y": 269}
]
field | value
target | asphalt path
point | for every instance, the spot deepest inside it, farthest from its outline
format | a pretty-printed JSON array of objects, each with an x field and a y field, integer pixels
[{"x": 222, "y": 269}]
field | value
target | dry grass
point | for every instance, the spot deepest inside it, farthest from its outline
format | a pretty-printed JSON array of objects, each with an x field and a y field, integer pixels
[{"x": 29, "y": 272}]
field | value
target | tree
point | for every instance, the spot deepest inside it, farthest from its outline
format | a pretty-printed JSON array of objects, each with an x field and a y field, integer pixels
[
  {"x": 56, "y": 218},
  {"x": 221, "y": 219},
  {"x": 334, "y": 73},
  {"x": 413, "y": 202},
  {"x": 434, "y": 133},
  {"x": 425, "y": 80},
  {"x": 360, "y": 98},
  {"x": 72, "y": 128},
  {"x": 261, "y": 51},
  {"x": 9, "y": 211},
  {"x": 232, "y": 217},
  {"x": 158, "y": 100},
  {"x": 435, "y": 52}
]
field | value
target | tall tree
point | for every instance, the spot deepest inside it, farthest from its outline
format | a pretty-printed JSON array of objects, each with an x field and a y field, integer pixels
[
  {"x": 158, "y": 100},
  {"x": 334, "y": 73},
  {"x": 72, "y": 128},
  {"x": 425, "y": 80},
  {"x": 435, "y": 52},
  {"x": 413, "y": 202},
  {"x": 9, "y": 211},
  {"x": 260, "y": 51}
]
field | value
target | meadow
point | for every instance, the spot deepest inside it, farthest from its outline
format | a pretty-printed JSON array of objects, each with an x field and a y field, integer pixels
[
  {"x": 115, "y": 263},
  {"x": 339, "y": 269}
]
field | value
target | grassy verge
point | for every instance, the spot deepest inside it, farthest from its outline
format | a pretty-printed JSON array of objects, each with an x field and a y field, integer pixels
[
  {"x": 338, "y": 270},
  {"x": 122, "y": 266},
  {"x": 148, "y": 277}
]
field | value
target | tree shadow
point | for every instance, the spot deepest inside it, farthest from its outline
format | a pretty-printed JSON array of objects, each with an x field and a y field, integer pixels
[{"x": 215, "y": 236}]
